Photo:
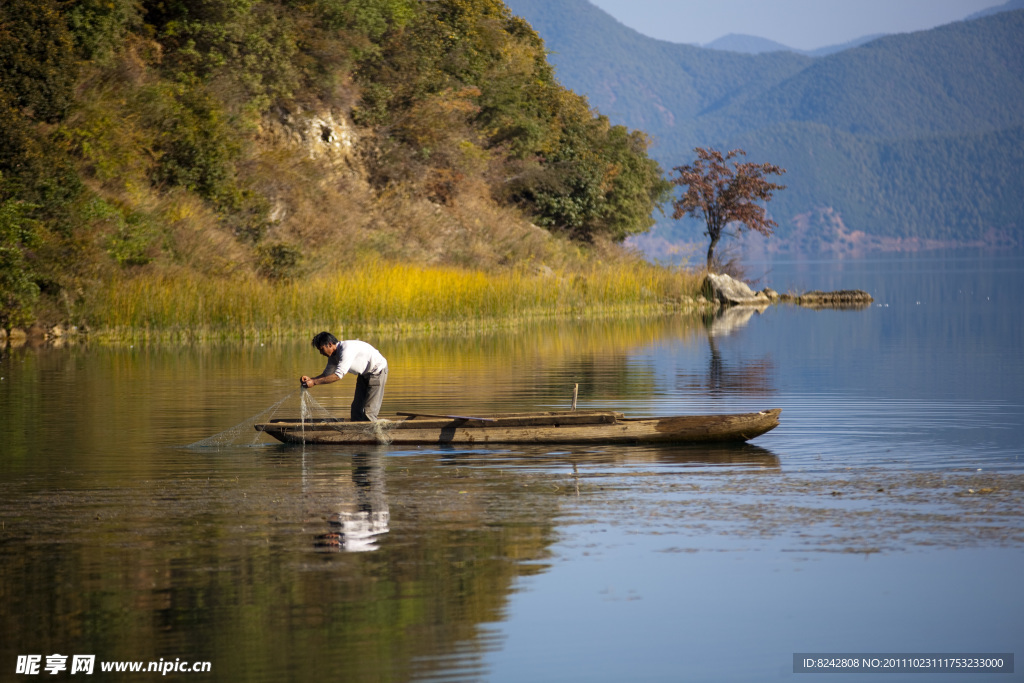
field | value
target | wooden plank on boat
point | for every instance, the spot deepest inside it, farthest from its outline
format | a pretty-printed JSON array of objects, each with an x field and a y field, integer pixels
[
  {"x": 531, "y": 419},
  {"x": 559, "y": 419},
  {"x": 447, "y": 417}
]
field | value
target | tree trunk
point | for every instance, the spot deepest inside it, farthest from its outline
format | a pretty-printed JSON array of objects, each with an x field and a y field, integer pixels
[{"x": 711, "y": 250}]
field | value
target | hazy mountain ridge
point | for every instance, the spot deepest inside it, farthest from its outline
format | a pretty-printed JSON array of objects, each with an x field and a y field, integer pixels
[
  {"x": 754, "y": 45},
  {"x": 1006, "y": 7},
  {"x": 853, "y": 128},
  {"x": 907, "y": 85},
  {"x": 612, "y": 64}
]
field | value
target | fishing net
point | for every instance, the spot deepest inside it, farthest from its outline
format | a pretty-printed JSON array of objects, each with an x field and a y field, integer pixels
[
  {"x": 310, "y": 410},
  {"x": 380, "y": 430},
  {"x": 242, "y": 434}
]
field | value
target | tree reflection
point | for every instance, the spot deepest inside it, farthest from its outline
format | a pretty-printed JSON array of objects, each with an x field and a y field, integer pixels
[{"x": 732, "y": 375}]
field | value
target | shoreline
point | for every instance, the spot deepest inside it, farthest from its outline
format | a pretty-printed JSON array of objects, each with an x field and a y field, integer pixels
[
  {"x": 57, "y": 336},
  {"x": 698, "y": 307},
  {"x": 716, "y": 293}
]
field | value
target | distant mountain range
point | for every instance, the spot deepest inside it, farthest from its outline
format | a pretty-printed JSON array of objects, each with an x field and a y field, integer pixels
[
  {"x": 737, "y": 42},
  {"x": 905, "y": 140},
  {"x": 1006, "y": 7},
  {"x": 753, "y": 45}
]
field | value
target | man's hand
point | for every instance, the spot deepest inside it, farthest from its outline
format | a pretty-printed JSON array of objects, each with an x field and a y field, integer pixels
[{"x": 306, "y": 382}]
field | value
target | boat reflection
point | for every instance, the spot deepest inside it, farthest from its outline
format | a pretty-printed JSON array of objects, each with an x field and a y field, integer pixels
[
  {"x": 720, "y": 455},
  {"x": 366, "y": 499},
  {"x": 685, "y": 455}
]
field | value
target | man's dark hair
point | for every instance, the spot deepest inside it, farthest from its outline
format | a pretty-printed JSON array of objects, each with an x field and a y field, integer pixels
[{"x": 324, "y": 339}]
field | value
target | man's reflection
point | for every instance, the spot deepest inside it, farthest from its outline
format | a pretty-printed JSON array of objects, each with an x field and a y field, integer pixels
[{"x": 363, "y": 516}]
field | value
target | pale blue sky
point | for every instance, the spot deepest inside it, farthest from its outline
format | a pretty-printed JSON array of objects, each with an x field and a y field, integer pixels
[{"x": 800, "y": 24}]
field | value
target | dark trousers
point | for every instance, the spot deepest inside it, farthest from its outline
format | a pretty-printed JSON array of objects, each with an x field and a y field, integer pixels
[{"x": 369, "y": 394}]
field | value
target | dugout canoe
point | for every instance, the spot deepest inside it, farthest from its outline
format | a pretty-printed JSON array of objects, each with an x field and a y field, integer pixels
[{"x": 561, "y": 427}]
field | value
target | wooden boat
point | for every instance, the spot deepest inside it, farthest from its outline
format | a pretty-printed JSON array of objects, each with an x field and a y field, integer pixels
[{"x": 562, "y": 427}]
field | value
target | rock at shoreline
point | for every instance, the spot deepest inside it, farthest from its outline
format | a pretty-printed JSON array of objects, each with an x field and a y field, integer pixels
[
  {"x": 845, "y": 298},
  {"x": 728, "y": 291},
  {"x": 731, "y": 292}
]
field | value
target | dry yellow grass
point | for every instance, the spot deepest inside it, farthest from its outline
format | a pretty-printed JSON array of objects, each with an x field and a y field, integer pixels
[{"x": 380, "y": 297}]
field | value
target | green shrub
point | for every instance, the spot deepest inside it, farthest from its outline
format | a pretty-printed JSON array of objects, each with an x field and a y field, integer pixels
[
  {"x": 19, "y": 234},
  {"x": 279, "y": 260},
  {"x": 247, "y": 46},
  {"x": 134, "y": 242},
  {"x": 193, "y": 142},
  {"x": 99, "y": 26},
  {"x": 37, "y": 60}
]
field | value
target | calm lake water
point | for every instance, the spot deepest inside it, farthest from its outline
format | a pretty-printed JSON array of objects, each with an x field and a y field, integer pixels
[{"x": 884, "y": 515}]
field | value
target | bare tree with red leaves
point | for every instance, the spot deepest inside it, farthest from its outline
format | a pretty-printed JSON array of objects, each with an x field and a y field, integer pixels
[{"x": 722, "y": 194}]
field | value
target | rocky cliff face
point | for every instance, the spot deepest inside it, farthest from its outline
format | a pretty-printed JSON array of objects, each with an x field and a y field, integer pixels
[{"x": 325, "y": 135}]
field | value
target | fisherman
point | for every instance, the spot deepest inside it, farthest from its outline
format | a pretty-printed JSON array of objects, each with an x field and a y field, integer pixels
[{"x": 363, "y": 361}]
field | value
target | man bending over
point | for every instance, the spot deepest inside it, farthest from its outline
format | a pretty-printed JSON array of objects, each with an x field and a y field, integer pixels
[{"x": 360, "y": 359}]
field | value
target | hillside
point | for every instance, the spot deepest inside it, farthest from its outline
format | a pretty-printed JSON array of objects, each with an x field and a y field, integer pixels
[
  {"x": 910, "y": 136},
  {"x": 660, "y": 87},
  {"x": 966, "y": 78},
  {"x": 943, "y": 191},
  {"x": 226, "y": 142}
]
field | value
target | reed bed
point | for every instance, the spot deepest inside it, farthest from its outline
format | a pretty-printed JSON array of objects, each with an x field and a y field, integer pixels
[{"x": 380, "y": 297}]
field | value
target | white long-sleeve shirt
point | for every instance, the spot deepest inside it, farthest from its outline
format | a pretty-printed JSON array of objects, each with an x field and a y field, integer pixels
[{"x": 357, "y": 357}]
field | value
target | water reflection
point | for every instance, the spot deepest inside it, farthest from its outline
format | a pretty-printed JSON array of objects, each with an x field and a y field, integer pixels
[
  {"x": 728, "y": 320},
  {"x": 721, "y": 455},
  {"x": 211, "y": 556},
  {"x": 900, "y": 454},
  {"x": 729, "y": 376},
  {"x": 584, "y": 458},
  {"x": 363, "y": 516}
]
